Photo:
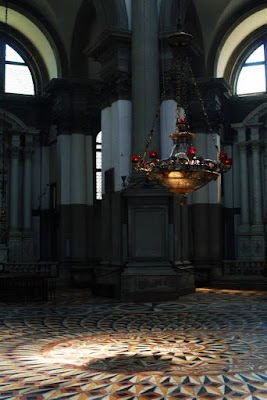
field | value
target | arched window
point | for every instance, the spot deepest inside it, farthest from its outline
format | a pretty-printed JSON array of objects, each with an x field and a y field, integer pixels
[
  {"x": 15, "y": 74},
  {"x": 98, "y": 163},
  {"x": 252, "y": 76}
]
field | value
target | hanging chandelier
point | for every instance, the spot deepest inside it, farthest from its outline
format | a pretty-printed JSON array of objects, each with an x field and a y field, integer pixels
[{"x": 183, "y": 171}]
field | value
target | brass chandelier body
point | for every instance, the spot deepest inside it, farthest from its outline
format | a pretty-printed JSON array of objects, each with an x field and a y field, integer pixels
[{"x": 183, "y": 172}]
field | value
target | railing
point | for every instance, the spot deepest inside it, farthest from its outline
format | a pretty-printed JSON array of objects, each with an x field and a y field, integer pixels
[
  {"x": 23, "y": 281},
  {"x": 244, "y": 268}
]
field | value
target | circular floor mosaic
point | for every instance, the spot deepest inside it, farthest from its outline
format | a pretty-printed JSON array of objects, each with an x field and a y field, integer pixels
[{"x": 169, "y": 352}]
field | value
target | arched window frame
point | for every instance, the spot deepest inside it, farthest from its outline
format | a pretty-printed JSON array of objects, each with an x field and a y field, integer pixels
[
  {"x": 240, "y": 55},
  {"x": 98, "y": 166},
  {"x": 29, "y": 54}
]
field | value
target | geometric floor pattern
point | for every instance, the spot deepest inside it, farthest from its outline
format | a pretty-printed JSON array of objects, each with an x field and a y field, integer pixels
[{"x": 210, "y": 345}]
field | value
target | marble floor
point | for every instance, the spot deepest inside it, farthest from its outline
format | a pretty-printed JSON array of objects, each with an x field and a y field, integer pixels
[{"x": 206, "y": 346}]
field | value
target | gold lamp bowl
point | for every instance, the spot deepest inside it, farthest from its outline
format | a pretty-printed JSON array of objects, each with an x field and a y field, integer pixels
[{"x": 183, "y": 179}]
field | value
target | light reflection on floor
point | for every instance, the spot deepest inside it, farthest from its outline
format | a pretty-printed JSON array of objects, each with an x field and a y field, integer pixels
[{"x": 209, "y": 345}]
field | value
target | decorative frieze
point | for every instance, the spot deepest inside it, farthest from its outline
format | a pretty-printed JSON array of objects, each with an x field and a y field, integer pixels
[
  {"x": 75, "y": 105},
  {"x": 113, "y": 51}
]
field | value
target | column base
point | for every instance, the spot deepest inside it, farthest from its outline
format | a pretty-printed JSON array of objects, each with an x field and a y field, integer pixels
[
  {"x": 257, "y": 229},
  {"x": 251, "y": 242},
  {"x": 28, "y": 240},
  {"x": 244, "y": 229},
  {"x": 15, "y": 247},
  {"x": 3, "y": 255},
  {"x": 257, "y": 242},
  {"x": 148, "y": 282}
]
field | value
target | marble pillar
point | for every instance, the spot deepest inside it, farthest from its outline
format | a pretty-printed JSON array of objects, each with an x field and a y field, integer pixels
[
  {"x": 244, "y": 240},
  {"x": 257, "y": 227},
  {"x": 145, "y": 73},
  {"x": 28, "y": 236},
  {"x": 27, "y": 204},
  {"x": 15, "y": 239},
  {"x": 244, "y": 200},
  {"x": 78, "y": 197},
  {"x": 167, "y": 126}
]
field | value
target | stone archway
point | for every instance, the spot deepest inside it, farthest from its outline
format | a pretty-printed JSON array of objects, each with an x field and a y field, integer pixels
[{"x": 252, "y": 139}]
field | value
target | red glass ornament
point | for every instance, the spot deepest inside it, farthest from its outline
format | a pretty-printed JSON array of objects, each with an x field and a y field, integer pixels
[
  {"x": 228, "y": 161},
  {"x": 153, "y": 153},
  {"x": 191, "y": 150},
  {"x": 135, "y": 159},
  {"x": 223, "y": 155}
]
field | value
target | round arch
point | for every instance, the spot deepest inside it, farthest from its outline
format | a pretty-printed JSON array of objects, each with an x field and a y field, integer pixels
[
  {"x": 111, "y": 13},
  {"x": 236, "y": 36},
  {"x": 37, "y": 34},
  {"x": 93, "y": 18},
  {"x": 13, "y": 120},
  {"x": 256, "y": 115}
]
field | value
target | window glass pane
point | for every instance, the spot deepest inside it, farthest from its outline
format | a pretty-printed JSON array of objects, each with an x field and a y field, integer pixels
[
  {"x": 99, "y": 137},
  {"x": 18, "y": 79},
  {"x": 12, "y": 55},
  {"x": 98, "y": 160},
  {"x": 251, "y": 80},
  {"x": 257, "y": 55},
  {"x": 99, "y": 166},
  {"x": 98, "y": 185}
]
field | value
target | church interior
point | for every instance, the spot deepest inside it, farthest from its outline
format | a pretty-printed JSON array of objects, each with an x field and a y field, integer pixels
[{"x": 133, "y": 218}]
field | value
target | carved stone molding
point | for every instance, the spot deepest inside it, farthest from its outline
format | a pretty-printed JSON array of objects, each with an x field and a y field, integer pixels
[
  {"x": 14, "y": 151},
  {"x": 27, "y": 151},
  {"x": 243, "y": 146},
  {"x": 113, "y": 51},
  {"x": 75, "y": 105},
  {"x": 256, "y": 145},
  {"x": 118, "y": 88}
]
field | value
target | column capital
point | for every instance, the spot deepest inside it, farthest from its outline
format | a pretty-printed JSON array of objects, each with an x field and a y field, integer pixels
[
  {"x": 257, "y": 145},
  {"x": 75, "y": 104},
  {"x": 15, "y": 151},
  {"x": 28, "y": 150},
  {"x": 113, "y": 51},
  {"x": 242, "y": 146}
]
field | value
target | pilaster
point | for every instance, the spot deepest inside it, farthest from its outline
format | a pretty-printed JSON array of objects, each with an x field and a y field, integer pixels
[
  {"x": 28, "y": 236},
  {"x": 15, "y": 238},
  {"x": 113, "y": 52}
]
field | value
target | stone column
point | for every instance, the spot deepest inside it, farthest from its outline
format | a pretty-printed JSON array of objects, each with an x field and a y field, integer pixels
[
  {"x": 145, "y": 73},
  {"x": 167, "y": 126},
  {"x": 256, "y": 147},
  {"x": 244, "y": 242},
  {"x": 78, "y": 197},
  {"x": 28, "y": 236},
  {"x": 244, "y": 201},
  {"x": 257, "y": 227},
  {"x": 27, "y": 184},
  {"x": 15, "y": 244},
  {"x": 14, "y": 184}
]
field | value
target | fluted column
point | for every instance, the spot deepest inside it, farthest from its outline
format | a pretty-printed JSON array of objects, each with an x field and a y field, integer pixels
[
  {"x": 257, "y": 227},
  {"x": 14, "y": 184},
  {"x": 256, "y": 147},
  {"x": 78, "y": 196},
  {"x": 145, "y": 72},
  {"x": 15, "y": 237},
  {"x": 27, "y": 205},
  {"x": 244, "y": 200},
  {"x": 244, "y": 238}
]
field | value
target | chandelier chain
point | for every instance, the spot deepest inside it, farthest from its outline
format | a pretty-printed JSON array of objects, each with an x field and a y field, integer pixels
[
  {"x": 210, "y": 130},
  {"x": 178, "y": 87}
]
